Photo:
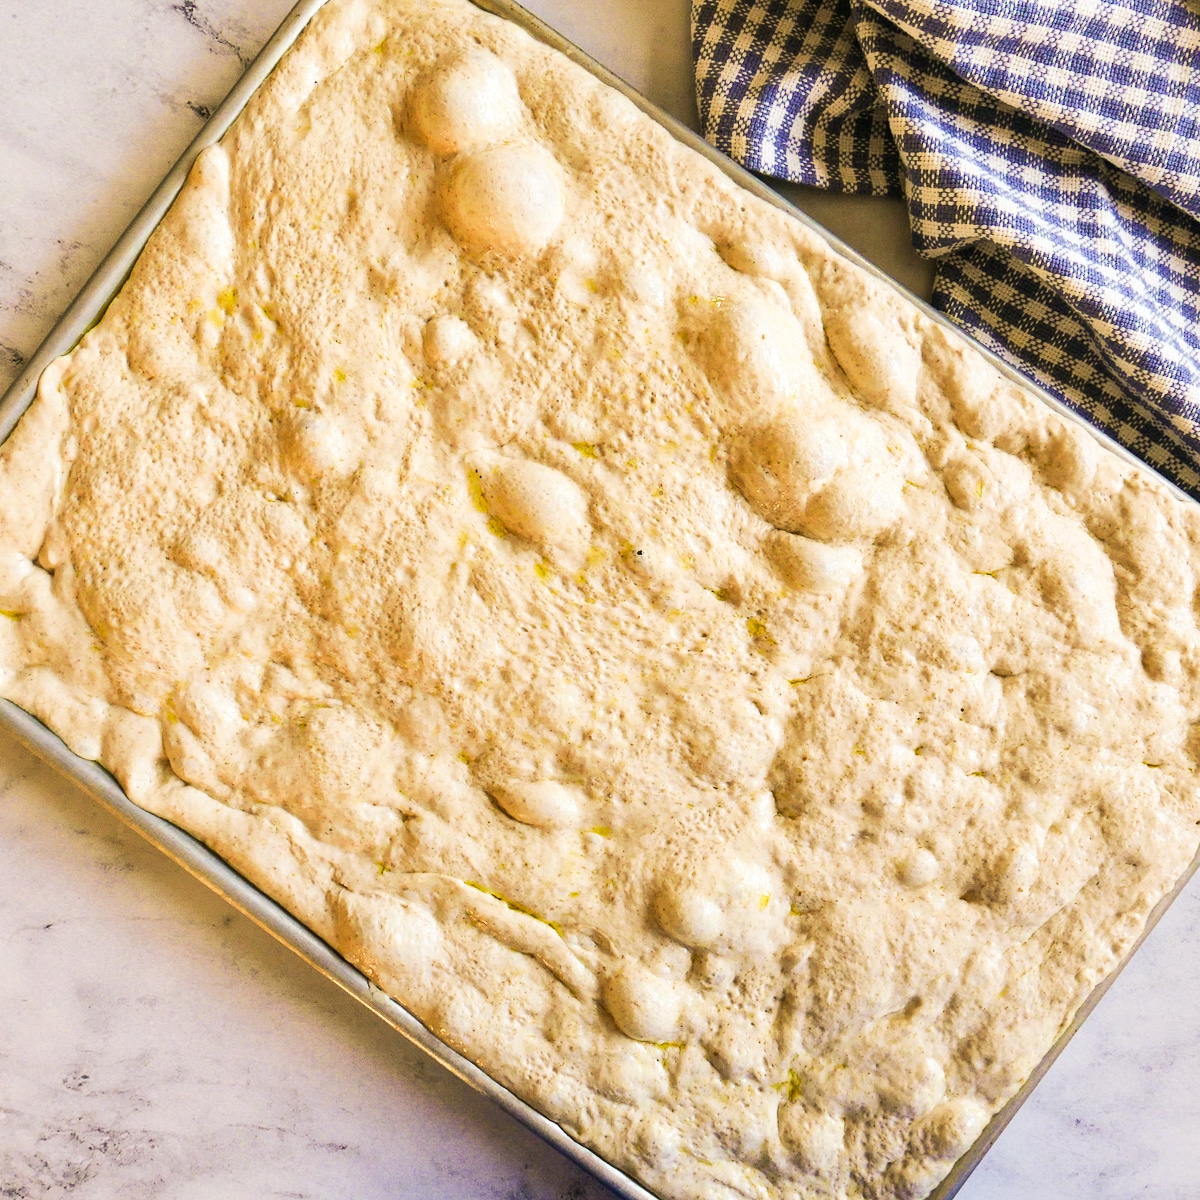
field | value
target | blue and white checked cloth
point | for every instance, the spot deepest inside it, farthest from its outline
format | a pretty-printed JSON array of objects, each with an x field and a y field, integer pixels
[{"x": 1049, "y": 154}]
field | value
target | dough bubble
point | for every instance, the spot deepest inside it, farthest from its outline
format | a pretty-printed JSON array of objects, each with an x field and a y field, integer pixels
[
  {"x": 545, "y": 803},
  {"x": 755, "y": 353},
  {"x": 469, "y": 101},
  {"x": 814, "y": 1139},
  {"x": 688, "y": 915},
  {"x": 506, "y": 199},
  {"x": 813, "y": 566},
  {"x": 645, "y": 1007},
  {"x": 777, "y": 465},
  {"x": 859, "y": 502},
  {"x": 448, "y": 340},
  {"x": 536, "y": 502}
]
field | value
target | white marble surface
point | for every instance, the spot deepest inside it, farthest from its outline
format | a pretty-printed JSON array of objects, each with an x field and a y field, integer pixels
[{"x": 153, "y": 1043}]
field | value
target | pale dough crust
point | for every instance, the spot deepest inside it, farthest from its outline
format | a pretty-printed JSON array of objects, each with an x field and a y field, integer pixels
[{"x": 698, "y": 687}]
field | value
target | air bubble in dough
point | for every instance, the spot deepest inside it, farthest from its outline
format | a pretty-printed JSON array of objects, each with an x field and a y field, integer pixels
[
  {"x": 810, "y": 565},
  {"x": 688, "y": 915},
  {"x": 320, "y": 447},
  {"x": 536, "y": 502},
  {"x": 859, "y": 502},
  {"x": 545, "y": 803},
  {"x": 918, "y": 868},
  {"x": 644, "y": 1006},
  {"x": 952, "y": 1127},
  {"x": 755, "y": 354},
  {"x": 777, "y": 465},
  {"x": 506, "y": 199},
  {"x": 448, "y": 340},
  {"x": 813, "y": 1138},
  {"x": 470, "y": 100}
]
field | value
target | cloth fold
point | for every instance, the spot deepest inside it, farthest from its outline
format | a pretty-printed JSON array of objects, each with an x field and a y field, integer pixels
[{"x": 1049, "y": 155}]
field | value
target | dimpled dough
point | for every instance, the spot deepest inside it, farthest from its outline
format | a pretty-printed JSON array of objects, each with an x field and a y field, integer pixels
[{"x": 697, "y": 686}]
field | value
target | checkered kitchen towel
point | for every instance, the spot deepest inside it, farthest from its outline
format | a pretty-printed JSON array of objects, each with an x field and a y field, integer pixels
[{"x": 1049, "y": 153}]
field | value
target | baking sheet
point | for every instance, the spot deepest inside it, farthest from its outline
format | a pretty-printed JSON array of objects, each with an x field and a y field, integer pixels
[{"x": 89, "y": 306}]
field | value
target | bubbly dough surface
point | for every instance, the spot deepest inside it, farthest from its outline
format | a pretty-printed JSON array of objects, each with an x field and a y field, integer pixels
[{"x": 698, "y": 687}]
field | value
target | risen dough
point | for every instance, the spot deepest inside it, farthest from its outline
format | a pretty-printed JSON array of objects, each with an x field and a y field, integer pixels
[{"x": 749, "y": 747}]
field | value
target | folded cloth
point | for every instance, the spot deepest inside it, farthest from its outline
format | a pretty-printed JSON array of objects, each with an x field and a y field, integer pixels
[{"x": 1049, "y": 154}]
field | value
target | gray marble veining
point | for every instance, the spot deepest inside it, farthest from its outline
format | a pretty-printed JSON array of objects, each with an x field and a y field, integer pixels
[{"x": 153, "y": 1043}]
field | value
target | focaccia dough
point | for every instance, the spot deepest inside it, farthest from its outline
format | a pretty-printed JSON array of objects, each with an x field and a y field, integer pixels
[{"x": 696, "y": 685}]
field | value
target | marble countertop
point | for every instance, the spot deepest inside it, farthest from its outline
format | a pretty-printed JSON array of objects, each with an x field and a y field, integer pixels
[{"x": 153, "y": 1042}]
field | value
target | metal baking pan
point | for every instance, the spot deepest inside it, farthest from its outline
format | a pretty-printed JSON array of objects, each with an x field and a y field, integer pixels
[{"x": 88, "y": 307}]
